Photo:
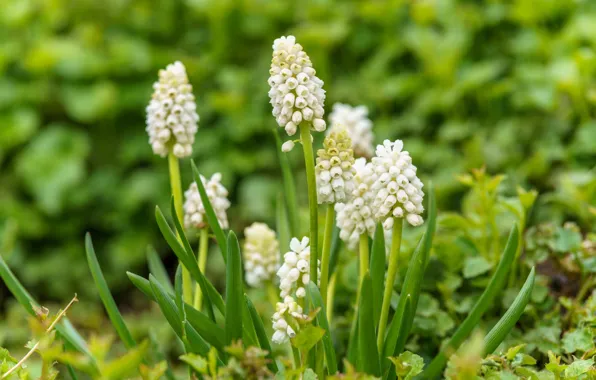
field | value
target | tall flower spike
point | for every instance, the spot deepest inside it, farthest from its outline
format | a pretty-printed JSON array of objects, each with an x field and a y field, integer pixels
[
  {"x": 261, "y": 254},
  {"x": 172, "y": 119},
  {"x": 358, "y": 125},
  {"x": 296, "y": 93},
  {"x": 397, "y": 191},
  {"x": 194, "y": 210},
  {"x": 334, "y": 170},
  {"x": 355, "y": 217}
]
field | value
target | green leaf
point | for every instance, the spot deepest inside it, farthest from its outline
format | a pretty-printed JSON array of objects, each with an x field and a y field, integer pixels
[
  {"x": 484, "y": 302},
  {"x": 580, "y": 339},
  {"x": 475, "y": 266},
  {"x": 196, "y": 362},
  {"x": 196, "y": 344},
  {"x": 578, "y": 367},
  {"x": 211, "y": 217},
  {"x": 321, "y": 318},
  {"x": 158, "y": 270},
  {"x": 194, "y": 268},
  {"x": 505, "y": 324},
  {"x": 234, "y": 293},
  {"x": 397, "y": 335},
  {"x": 125, "y": 366},
  {"x": 261, "y": 334},
  {"x": 211, "y": 332},
  {"x": 64, "y": 328},
  {"x": 106, "y": 296},
  {"x": 167, "y": 306},
  {"x": 188, "y": 261},
  {"x": 407, "y": 365},
  {"x": 308, "y": 337},
  {"x": 513, "y": 351},
  {"x": 377, "y": 271},
  {"x": 367, "y": 339}
]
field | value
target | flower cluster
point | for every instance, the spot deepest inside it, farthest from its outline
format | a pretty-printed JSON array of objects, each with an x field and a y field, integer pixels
[
  {"x": 261, "y": 254},
  {"x": 334, "y": 169},
  {"x": 172, "y": 120},
  {"x": 355, "y": 217},
  {"x": 397, "y": 191},
  {"x": 194, "y": 210},
  {"x": 355, "y": 120},
  {"x": 293, "y": 277},
  {"x": 296, "y": 93}
]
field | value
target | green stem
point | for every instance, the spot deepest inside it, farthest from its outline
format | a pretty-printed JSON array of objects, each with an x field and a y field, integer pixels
[
  {"x": 309, "y": 162},
  {"x": 363, "y": 255},
  {"x": 176, "y": 186},
  {"x": 393, "y": 258},
  {"x": 325, "y": 256},
  {"x": 296, "y": 354},
  {"x": 330, "y": 297},
  {"x": 203, "y": 251}
]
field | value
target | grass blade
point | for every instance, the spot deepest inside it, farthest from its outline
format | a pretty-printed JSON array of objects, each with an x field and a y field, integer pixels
[
  {"x": 317, "y": 302},
  {"x": 283, "y": 229},
  {"x": 196, "y": 344},
  {"x": 167, "y": 306},
  {"x": 64, "y": 328},
  {"x": 220, "y": 236},
  {"x": 512, "y": 315},
  {"x": 261, "y": 333},
  {"x": 106, "y": 295},
  {"x": 234, "y": 293},
  {"x": 377, "y": 272},
  {"x": 395, "y": 341},
  {"x": 289, "y": 187},
  {"x": 188, "y": 261},
  {"x": 367, "y": 341},
  {"x": 158, "y": 270},
  {"x": 198, "y": 274},
  {"x": 484, "y": 302},
  {"x": 210, "y": 331}
]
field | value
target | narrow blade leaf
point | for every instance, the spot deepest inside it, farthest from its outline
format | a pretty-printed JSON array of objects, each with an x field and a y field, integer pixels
[
  {"x": 317, "y": 302},
  {"x": 167, "y": 306},
  {"x": 234, "y": 293},
  {"x": 220, "y": 236},
  {"x": 511, "y": 316},
  {"x": 291, "y": 204},
  {"x": 261, "y": 334},
  {"x": 484, "y": 302},
  {"x": 158, "y": 270},
  {"x": 367, "y": 342},
  {"x": 106, "y": 296},
  {"x": 377, "y": 272}
]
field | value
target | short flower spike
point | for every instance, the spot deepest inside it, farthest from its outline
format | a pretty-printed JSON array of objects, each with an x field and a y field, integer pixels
[
  {"x": 194, "y": 210},
  {"x": 334, "y": 169},
  {"x": 172, "y": 119},
  {"x": 261, "y": 254},
  {"x": 397, "y": 191}
]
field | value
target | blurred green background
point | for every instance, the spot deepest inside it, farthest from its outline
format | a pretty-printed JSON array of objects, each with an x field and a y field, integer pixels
[{"x": 506, "y": 84}]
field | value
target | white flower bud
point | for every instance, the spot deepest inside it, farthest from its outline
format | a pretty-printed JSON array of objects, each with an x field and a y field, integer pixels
[
  {"x": 194, "y": 211},
  {"x": 261, "y": 254},
  {"x": 331, "y": 161},
  {"x": 287, "y": 146}
]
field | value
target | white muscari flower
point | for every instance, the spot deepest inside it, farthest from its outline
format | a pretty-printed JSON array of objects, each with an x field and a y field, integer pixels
[
  {"x": 261, "y": 254},
  {"x": 359, "y": 127},
  {"x": 397, "y": 191},
  {"x": 296, "y": 92},
  {"x": 287, "y": 146},
  {"x": 172, "y": 119},
  {"x": 355, "y": 217},
  {"x": 334, "y": 169},
  {"x": 194, "y": 210},
  {"x": 284, "y": 312},
  {"x": 294, "y": 272}
]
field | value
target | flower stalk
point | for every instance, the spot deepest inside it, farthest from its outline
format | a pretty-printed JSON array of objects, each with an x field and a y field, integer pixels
[
  {"x": 326, "y": 253},
  {"x": 202, "y": 260},
  {"x": 309, "y": 162},
  {"x": 393, "y": 261},
  {"x": 176, "y": 186}
]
